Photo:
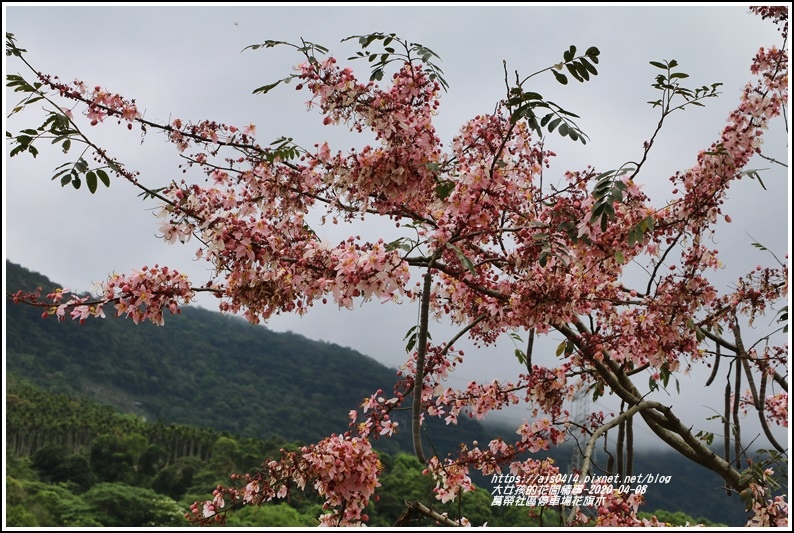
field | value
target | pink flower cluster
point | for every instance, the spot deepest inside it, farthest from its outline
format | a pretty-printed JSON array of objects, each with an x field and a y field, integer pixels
[
  {"x": 540, "y": 434},
  {"x": 397, "y": 175},
  {"x": 478, "y": 399},
  {"x": 142, "y": 295},
  {"x": 776, "y": 409},
  {"x": 772, "y": 513},
  {"x": 452, "y": 478},
  {"x": 103, "y": 104},
  {"x": 342, "y": 469},
  {"x": 766, "y": 511},
  {"x": 620, "y": 510},
  {"x": 705, "y": 185},
  {"x": 377, "y": 421},
  {"x": 757, "y": 291},
  {"x": 345, "y": 472}
]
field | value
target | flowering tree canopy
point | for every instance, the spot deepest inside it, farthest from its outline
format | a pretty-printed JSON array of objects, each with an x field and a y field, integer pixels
[{"x": 496, "y": 250}]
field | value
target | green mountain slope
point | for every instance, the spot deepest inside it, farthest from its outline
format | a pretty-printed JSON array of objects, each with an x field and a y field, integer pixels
[{"x": 206, "y": 369}]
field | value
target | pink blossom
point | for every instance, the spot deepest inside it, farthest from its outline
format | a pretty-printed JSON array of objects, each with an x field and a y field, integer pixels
[{"x": 388, "y": 427}]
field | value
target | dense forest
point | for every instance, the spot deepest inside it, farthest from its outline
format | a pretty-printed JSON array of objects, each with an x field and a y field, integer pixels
[{"x": 175, "y": 410}]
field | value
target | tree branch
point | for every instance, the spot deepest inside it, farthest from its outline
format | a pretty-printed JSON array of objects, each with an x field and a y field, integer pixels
[
  {"x": 772, "y": 160},
  {"x": 416, "y": 411}
]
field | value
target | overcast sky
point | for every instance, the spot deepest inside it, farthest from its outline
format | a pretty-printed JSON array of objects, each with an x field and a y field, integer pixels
[{"x": 186, "y": 62}]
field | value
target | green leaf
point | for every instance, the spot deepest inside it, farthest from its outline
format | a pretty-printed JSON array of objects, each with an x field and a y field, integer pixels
[
  {"x": 465, "y": 261},
  {"x": 91, "y": 182},
  {"x": 560, "y": 77},
  {"x": 444, "y": 189},
  {"x": 65, "y": 171},
  {"x": 574, "y": 72},
  {"x": 66, "y": 145},
  {"x": 658, "y": 65},
  {"x": 411, "y": 344},
  {"x": 521, "y": 96},
  {"x": 598, "y": 211},
  {"x": 604, "y": 219},
  {"x": 561, "y": 348},
  {"x": 563, "y": 129},
  {"x": 598, "y": 391},
  {"x": 588, "y": 66},
  {"x": 412, "y": 337},
  {"x": 582, "y": 71},
  {"x": 533, "y": 124},
  {"x": 267, "y": 44},
  {"x": 267, "y": 88},
  {"x": 619, "y": 257},
  {"x": 544, "y": 257},
  {"x": 633, "y": 236},
  {"x": 103, "y": 177},
  {"x": 664, "y": 371}
]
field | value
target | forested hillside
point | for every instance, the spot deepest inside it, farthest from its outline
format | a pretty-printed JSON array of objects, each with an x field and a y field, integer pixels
[
  {"x": 74, "y": 462},
  {"x": 207, "y": 369}
]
